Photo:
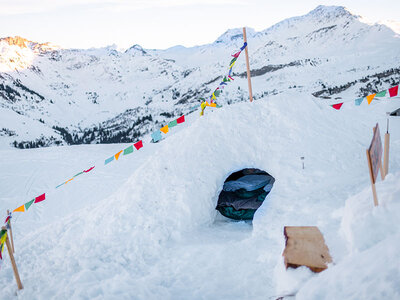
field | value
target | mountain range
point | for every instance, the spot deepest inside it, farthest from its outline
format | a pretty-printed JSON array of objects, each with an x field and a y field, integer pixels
[{"x": 55, "y": 96}]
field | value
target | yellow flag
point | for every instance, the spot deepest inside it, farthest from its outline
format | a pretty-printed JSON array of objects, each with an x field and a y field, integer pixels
[
  {"x": 117, "y": 155},
  {"x": 370, "y": 98},
  {"x": 165, "y": 129},
  {"x": 213, "y": 96},
  {"x": 3, "y": 238},
  {"x": 232, "y": 64},
  {"x": 21, "y": 208}
]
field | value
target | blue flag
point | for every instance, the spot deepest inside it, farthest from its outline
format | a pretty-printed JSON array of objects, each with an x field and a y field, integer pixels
[
  {"x": 156, "y": 136},
  {"x": 108, "y": 160},
  {"x": 358, "y": 101}
]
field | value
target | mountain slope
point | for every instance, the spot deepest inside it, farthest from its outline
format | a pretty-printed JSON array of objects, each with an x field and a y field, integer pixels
[{"x": 88, "y": 94}]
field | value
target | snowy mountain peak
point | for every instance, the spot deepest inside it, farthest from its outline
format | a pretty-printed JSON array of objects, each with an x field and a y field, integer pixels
[
  {"x": 136, "y": 49},
  {"x": 25, "y": 43},
  {"x": 330, "y": 12}
]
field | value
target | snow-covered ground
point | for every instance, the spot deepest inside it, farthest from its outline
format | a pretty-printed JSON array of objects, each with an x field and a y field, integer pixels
[{"x": 145, "y": 226}]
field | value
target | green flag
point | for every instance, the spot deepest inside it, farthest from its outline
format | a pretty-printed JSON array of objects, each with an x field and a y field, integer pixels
[
  {"x": 128, "y": 150},
  {"x": 381, "y": 94},
  {"x": 28, "y": 204},
  {"x": 172, "y": 123}
]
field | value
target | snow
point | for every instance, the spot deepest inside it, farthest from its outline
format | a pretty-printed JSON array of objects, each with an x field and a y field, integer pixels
[{"x": 145, "y": 226}]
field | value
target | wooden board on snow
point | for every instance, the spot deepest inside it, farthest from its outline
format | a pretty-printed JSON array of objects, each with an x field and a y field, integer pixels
[{"x": 305, "y": 246}]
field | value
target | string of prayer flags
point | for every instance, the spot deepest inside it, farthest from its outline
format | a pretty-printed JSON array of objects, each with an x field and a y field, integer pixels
[
  {"x": 370, "y": 98},
  {"x": 156, "y": 136},
  {"x": 138, "y": 145},
  {"x": 128, "y": 150},
  {"x": 117, "y": 155},
  {"x": 164, "y": 129},
  {"x": 222, "y": 84},
  {"x": 394, "y": 91}
]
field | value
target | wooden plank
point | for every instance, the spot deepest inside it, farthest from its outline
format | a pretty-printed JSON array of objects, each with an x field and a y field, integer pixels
[
  {"x": 375, "y": 153},
  {"x": 305, "y": 246},
  {"x": 376, "y": 203}
]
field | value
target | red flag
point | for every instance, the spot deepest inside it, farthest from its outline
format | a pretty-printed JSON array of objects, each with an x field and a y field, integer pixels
[
  {"x": 8, "y": 218},
  {"x": 88, "y": 170},
  {"x": 40, "y": 198},
  {"x": 1, "y": 257},
  {"x": 337, "y": 106},
  {"x": 180, "y": 120},
  {"x": 138, "y": 145},
  {"x": 237, "y": 54},
  {"x": 393, "y": 91}
]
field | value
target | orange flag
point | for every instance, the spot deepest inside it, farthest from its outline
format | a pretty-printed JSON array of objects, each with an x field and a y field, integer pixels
[
  {"x": 117, "y": 155},
  {"x": 164, "y": 129},
  {"x": 370, "y": 98},
  {"x": 21, "y": 208},
  {"x": 69, "y": 180}
]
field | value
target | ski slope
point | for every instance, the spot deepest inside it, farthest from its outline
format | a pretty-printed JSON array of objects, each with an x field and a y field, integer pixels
[{"x": 145, "y": 226}]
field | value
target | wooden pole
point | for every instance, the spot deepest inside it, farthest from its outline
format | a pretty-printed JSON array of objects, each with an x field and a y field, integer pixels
[
  {"x": 11, "y": 235},
  {"x": 386, "y": 154},
  {"x": 14, "y": 265},
  {"x": 371, "y": 175},
  {"x": 248, "y": 65}
]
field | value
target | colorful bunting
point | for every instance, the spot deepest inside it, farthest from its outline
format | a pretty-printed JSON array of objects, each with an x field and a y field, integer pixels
[
  {"x": 181, "y": 119},
  {"x": 138, "y": 145},
  {"x": 172, "y": 124},
  {"x": 108, "y": 160},
  {"x": 156, "y": 136},
  {"x": 28, "y": 204},
  {"x": 337, "y": 106},
  {"x": 128, "y": 150},
  {"x": 117, "y": 155},
  {"x": 370, "y": 98},
  {"x": 21, "y": 208},
  {"x": 394, "y": 91},
  {"x": 164, "y": 129},
  {"x": 358, "y": 101},
  {"x": 381, "y": 94}
]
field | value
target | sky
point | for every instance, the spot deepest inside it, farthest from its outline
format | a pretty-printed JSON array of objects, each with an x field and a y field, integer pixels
[{"x": 159, "y": 24}]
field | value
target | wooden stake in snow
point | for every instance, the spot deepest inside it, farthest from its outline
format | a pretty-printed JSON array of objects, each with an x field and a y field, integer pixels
[
  {"x": 14, "y": 265},
  {"x": 386, "y": 150},
  {"x": 374, "y": 158},
  {"x": 247, "y": 64},
  {"x": 11, "y": 235}
]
